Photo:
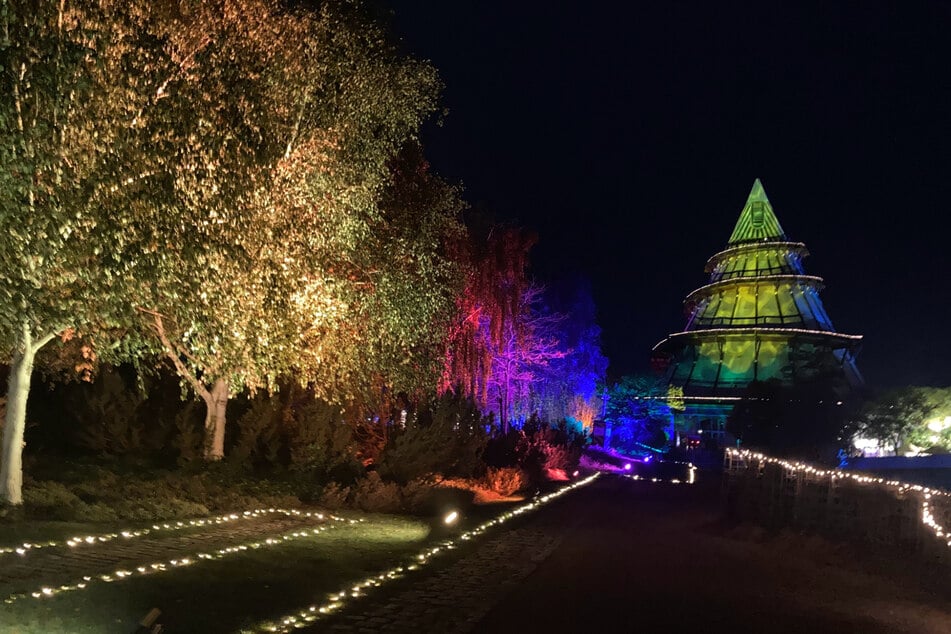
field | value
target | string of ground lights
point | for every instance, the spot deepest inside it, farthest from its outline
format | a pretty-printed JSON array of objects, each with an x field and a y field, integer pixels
[
  {"x": 131, "y": 533},
  {"x": 927, "y": 517},
  {"x": 691, "y": 478},
  {"x": 121, "y": 574},
  {"x": 336, "y": 601}
]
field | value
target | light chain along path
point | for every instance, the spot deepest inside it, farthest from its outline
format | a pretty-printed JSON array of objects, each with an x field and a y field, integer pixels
[
  {"x": 53, "y": 566},
  {"x": 629, "y": 556},
  {"x": 453, "y": 600}
]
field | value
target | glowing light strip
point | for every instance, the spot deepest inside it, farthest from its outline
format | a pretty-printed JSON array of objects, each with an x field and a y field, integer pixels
[
  {"x": 753, "y": 280},
  {"x": 159, "y": 567},
  {"x": 90, "y": 540},
  {"x": 310, "y": 614},
  {"x": 763, "y": 330},
  {"x": 755, "y": 246},
  {"x": 690, "y": 398},
  {"x": 927, "y": 517},
  {"x": 691, "y": 478}
]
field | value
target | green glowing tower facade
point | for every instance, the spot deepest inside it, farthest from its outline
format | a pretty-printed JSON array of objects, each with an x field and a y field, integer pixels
[{"x": 758, "y": 319}]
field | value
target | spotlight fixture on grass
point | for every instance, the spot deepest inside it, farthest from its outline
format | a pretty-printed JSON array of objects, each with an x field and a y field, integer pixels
[
  {"x": 627, "y": 466},
  {"x": 451, "y": 518}
]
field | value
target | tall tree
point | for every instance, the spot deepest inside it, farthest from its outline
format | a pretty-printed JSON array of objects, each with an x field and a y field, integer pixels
[
  {"x": 896, "y": 415},
  {"x": 282, "y": 123},
  {"x": 519, "y": 358},
  {"x": 490, "y": 311},
  {"x": 568, "y": 386},
  {"x": 637, "y": 408},
  {"x": 75, "y": 183}
]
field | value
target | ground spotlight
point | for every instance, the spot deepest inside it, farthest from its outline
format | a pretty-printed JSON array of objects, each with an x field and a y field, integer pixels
[{"x": 450, "y": 518}]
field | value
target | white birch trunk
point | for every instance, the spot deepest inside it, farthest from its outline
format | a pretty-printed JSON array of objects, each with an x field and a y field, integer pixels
[
  {"x": 11, "y": 461},
  {"x": 216, "y": 402}
]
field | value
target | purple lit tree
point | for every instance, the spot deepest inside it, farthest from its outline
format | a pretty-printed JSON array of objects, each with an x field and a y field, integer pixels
[{"x": 567, "y": 388}]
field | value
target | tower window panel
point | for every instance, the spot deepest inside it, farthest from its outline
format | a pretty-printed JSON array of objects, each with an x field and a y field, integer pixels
[
  {"x": 787, "y": 304},
  {"x": 705, "y": 370},
  {"x": 745, "y": 312},
  {"x": 771, "y": 360},
  {"x": 738, "y": 357},
  {"x": 766, "y": 306},
  {"x": 725, "y": 306}
]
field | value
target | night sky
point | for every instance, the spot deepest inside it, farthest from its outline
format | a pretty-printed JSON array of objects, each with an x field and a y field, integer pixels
[{"x": 629, "y": 138}]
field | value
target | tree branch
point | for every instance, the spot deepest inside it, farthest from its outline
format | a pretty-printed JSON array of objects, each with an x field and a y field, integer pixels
[{"x": 174, "y": 353}]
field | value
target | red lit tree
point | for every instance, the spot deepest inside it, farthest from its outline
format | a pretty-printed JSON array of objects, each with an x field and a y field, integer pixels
[{"x": 500, "y": 340}]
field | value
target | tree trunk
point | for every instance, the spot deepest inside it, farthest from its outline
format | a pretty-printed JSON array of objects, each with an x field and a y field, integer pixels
[
  {"x": 216, "y": 402},
  {"x": 11, "y": 461}
]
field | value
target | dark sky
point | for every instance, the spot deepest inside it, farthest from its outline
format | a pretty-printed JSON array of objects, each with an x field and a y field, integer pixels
[{"x": 629, "y": 138}]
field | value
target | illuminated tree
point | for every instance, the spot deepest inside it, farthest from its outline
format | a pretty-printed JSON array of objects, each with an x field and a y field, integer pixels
[
  {"x": 896, "y": 415},
  {"x": 281, "y": 127},
  {"x": 406, "y": 284},
  {"x": 487, "y": 312},
  {"x": 568, "y": 385},
  {"x": 637, "y": 408},
  {"x": 74, "y": 181}
]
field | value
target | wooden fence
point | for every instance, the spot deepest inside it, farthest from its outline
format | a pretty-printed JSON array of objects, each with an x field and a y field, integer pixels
[{"x": 777, "y": 493}]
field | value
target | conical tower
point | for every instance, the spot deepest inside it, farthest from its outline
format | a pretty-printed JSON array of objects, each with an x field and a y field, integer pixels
[{"x": 758, "y": 319}]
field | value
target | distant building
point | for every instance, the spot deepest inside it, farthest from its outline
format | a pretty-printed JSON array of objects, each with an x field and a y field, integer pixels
[{"x": 759, "y": 318}]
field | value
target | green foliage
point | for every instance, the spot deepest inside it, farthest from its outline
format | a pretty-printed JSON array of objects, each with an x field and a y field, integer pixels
[
  {"x": 322, "y": 443},
  {"x": 899, "y": 416},
  {"x": 93, "y": 493},
  {"x": 537, "y": 449},
  {"x": 190, "y": 437},
  {"x": 446, "y": 436},
  {"x": 294, "y": 429},
  {"x": 373, "y": 494},
  {"x": 544, "y": 448},
  {"x": 638, "y": 410},
  {"x": 108, "y": 415}
]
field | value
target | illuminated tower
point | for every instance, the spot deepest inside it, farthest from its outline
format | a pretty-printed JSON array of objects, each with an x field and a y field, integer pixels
[{"x": 759, "y": 318}]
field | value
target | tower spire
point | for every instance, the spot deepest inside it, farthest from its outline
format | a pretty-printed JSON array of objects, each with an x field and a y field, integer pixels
[{"x": 757, "y": 222}]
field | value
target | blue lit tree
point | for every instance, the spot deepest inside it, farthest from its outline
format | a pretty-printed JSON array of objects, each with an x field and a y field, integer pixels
[
  {"x": 637, "y": 410},
  {"x": 567, "y": 388}
]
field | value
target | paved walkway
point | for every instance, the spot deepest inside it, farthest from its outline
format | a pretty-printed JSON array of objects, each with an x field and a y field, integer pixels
[{"x": 631, "y": 556}]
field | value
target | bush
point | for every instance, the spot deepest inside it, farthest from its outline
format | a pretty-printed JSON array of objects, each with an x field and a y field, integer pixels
[
  {"x": 505, "y": 480},
  {"x": 374, "y": 495},
  {"x": 106, "y": 412},
  {"x": 294, "y": 429},
  {"x": 538, "y": 448},
  {"x": 103, "y": 495},
  {"x": 447, "y": 436},
  {"x": 334, "y": 496},
  {"x": 258, "y": 431},
  {"x": 50, "y": 500},
  {"x": 321, "y": 442}
]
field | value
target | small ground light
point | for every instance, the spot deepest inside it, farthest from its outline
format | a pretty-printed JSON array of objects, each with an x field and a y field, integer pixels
[
  {"x": 451, "y": 518},
  {"x": 575, "y": 474},
  {"x": 627, "y": 466}
]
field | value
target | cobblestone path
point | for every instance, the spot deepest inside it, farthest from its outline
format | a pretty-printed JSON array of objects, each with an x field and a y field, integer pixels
[
  {"x": 61, "y": 564},
  {"x": 637, "y": 556},
  {"x": 455, "y": 598}
]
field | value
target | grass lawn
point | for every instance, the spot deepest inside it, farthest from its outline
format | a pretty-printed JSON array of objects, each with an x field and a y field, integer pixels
[{"x": 225, "y": 595}]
